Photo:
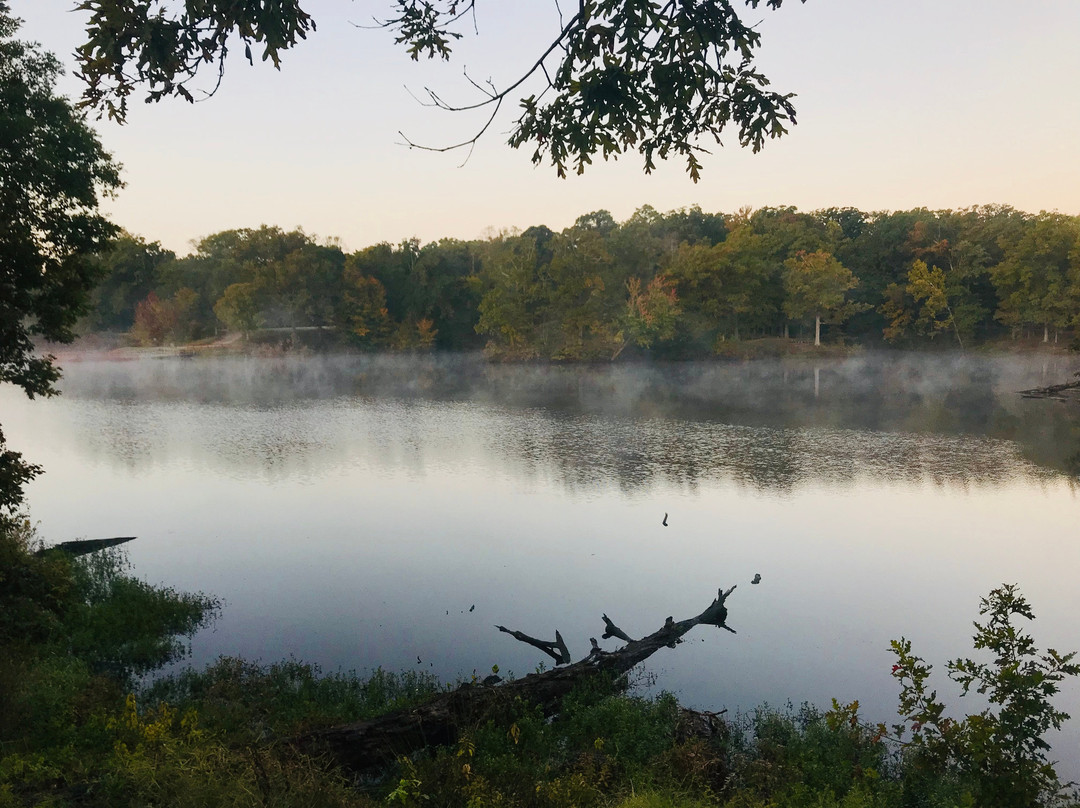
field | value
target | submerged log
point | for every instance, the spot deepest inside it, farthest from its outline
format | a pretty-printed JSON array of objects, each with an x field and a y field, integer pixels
[
  {"x": 79, "y": 547},
  {"x": 367, "y": 744}
]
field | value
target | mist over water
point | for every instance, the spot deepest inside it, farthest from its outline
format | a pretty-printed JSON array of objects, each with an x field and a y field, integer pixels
[
  {"x": 766, "y": 423},
  {"x": 350, "y": 510}
]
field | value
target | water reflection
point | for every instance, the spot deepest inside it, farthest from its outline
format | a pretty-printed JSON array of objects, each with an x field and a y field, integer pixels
[
  {"x": 580, "y": 451},
  {"x": 947, "y": 419}
]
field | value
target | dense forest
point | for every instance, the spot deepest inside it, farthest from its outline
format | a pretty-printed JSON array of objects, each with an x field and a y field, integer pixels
[{"x": 680, "y": 284}]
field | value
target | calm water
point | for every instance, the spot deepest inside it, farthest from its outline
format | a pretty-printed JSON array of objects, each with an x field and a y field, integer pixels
[{"x": 351, "y": 511}]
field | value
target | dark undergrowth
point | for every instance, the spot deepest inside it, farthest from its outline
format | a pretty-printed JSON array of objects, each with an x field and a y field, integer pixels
[{"x": 78, "y": 727}]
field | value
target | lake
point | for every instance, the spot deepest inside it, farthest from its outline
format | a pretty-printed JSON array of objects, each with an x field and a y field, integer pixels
[{"x": 372, "y": 511}]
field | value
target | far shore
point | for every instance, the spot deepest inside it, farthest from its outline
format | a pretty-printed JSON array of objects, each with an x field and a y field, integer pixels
[{"x": 119, "y": 347}]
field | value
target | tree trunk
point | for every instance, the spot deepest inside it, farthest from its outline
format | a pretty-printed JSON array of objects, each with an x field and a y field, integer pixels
[
  {"x": 619, "y": 350},
  {"x": 1046, "y": 333},
  {"x": 956, "y": 329},
  {"x": 817, "y": 330},
  {"x": 367, "y": 744}
]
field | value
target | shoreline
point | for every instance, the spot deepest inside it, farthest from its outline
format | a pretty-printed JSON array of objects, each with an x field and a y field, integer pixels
[{"x": 117, "y": 348}]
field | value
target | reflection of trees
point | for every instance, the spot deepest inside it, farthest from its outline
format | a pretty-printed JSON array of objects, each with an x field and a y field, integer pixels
[
  {"x": 1049, "y": 435},
  {"x": 900, "y": 418},
  {"x": 638, "y": 454}
]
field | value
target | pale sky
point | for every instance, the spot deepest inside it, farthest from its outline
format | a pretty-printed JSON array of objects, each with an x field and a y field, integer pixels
[{"x": 935, "y": 103}]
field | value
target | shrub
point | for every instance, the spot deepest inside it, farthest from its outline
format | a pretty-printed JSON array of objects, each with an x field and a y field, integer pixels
[{"x": 1000, "y": 752}]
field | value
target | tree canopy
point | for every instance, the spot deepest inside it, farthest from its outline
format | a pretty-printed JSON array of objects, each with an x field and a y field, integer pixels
[
  {"x": 681, "y": 284},
  {"x": 52, "y": 174},
  {"x": 654, "y": 77}
]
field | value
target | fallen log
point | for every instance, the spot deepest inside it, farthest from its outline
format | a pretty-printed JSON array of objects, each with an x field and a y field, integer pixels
[
  {"x": 1054, "y": 391},
  {"x": 365, "y": 745},
  {"x": 79, "y": 547}
]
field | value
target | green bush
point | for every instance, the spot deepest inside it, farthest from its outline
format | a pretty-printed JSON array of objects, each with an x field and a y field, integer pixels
[
  {"x": 1000, "y": 752},
  {"x": 73, "y": 635},
  {"x": 36, "y": 591},
  {"x": 808, "y": 757}
]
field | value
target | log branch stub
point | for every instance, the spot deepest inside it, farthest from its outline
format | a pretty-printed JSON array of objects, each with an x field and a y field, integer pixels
[
  {"x": 612, "y": 630},
  {"x": 564, "y": 652},
  {"x": 556, "y": 649},
  {"x": 716, "y": 614}
]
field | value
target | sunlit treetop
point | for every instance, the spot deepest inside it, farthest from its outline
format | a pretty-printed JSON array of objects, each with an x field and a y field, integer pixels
[{"x": 664, "y": 79}]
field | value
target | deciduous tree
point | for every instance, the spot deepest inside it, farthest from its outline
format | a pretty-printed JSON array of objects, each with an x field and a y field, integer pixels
[
  {"x": 53, "y": 171},
  {"x": 155, "y": 320},
  {"x": 926, "y": 285},
  {"x": 238, "y": 308},
  {"x": 131, "y": 269},
  {"x": 514, "y": 301},
  {"x": 361, "y": 312},
  {"x": 816, "y": 285},
  {"x": 1000, "y": 750},
  {"x": 651, "y": 313},
  {"x": 1036, "y": 279},
  {"x": 583, "y": 305},
  {"x": 725, "y": 281}
]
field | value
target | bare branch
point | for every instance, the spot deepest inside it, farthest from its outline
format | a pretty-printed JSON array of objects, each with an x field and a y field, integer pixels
[
  {"x": 499, "y": 96},
  {"x": 493, "y": 96},
  {"x": 557, "y": 650},
  {"x": 547, "y": 76},
  {"x": 490, "y": 93},
  {"x": 470, "y": 142}
]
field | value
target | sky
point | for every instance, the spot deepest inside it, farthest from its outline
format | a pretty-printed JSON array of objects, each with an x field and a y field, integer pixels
[{"x": 920, "y": 103}]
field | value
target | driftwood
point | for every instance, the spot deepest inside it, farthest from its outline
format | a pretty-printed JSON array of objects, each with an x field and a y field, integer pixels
[
  {"x": 78, "y": 547},
  {"x": 1054, "y": 391},
  {"x": 368, "y": 744}
]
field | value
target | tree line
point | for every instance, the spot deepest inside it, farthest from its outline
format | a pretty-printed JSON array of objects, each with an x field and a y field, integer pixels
[{"x": 680, "y": 284}]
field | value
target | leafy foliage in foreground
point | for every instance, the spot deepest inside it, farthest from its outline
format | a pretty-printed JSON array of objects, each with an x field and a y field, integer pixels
[
  {"x": 52, "y": 173},
  {"x": 79, "y": 621},
  {"x": 77, "y": 729},
  {"x": 619, "y": 75},
  {"x": 1000, "y": 750}
]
